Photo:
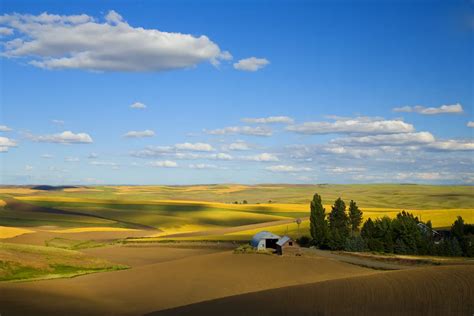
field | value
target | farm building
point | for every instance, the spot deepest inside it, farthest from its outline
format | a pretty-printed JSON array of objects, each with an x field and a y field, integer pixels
[
  {"x": 284, "y": 243},
  {"x": 266, "y": 240}
]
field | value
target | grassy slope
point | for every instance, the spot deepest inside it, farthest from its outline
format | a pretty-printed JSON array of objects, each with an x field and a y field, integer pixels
[{"x": 27, "y": 262}]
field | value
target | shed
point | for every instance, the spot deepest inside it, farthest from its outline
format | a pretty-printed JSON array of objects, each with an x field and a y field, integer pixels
[
  {"x": 264, "y": 240},
  {"x": 283, "y": 243}
]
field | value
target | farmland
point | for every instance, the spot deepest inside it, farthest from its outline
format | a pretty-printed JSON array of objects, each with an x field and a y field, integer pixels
[{"x": 184, "y": 236}]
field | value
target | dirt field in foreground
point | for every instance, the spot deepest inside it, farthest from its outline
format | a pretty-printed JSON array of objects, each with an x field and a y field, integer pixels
[
  {"x": 165, "y": 277},
  {"x": 428, "y": 291}
]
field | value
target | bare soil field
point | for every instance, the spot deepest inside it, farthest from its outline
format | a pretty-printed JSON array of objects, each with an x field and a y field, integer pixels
[
  {"x": 165, "y": 277},
  {"x": 42, "y": 235},
  {"x": 428, "y": 291}
]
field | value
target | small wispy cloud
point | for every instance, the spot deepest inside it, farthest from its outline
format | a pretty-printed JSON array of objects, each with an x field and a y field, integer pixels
[
  {"x": 163, "y": 164},
  {"x": 239, "y": 145},
  {"x": 71, "y": 159},
  {"x": 443, "y": 109},
  {"x": 6, "y": 143},
  {"x": 103, "y": 163},
  {"x": 242, "y": 130},
  {"x": 66, "y": 137},
  {"x": 58, "y": 122},
  {"x": 202, "y": 166},
  {"x": 4, "y": 128},
  {"x": 138, "y": 105},
  {"x": 251, "y": 64},
  {"x": 358, "y": 125},
  {"x": 269, "y": 120},
  {"x": 263, "y": 157},
  {"x": 287, "y": 168},
  {"x": 194, "y": 147},
  {"x": 139, "y": 134}
]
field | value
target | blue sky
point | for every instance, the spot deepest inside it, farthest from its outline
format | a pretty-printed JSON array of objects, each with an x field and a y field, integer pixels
[{"x": 248, "y": 92}]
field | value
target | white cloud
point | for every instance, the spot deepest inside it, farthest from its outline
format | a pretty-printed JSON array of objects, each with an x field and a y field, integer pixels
[
  {"x": 140, "y": 134},
  {"x": 352, "y": 152},
  {"x": 66, "y": 137},
  {"x": 154, "y": 151},
  {"x": 93, "y": 156},
  {"x": 28, "y": 168},
  {"x": 452, "y": 145},
  {"x": 6, "y": 143},
  {"x": 287, "y": 168},
  {"x": 270, "y": 119},
  {"x": 103, "y": 163},
  {"x": 82, "y": 42},
  {"x": 388, "y": 139},
  {"x": 429, "y": 176},
  {"x": 222, "y": 156},
  {"x": 359, "y": 125},
  {"x": 470, "y": 124},
  {"x": 202, "y": 166},
  {"x": 5, "y": 31},
  {"x": 163, "y": 164},
  {"x": 58, "y": 122},
  {"x": 243, "y": 130},
  {"x": 71, "y": 159},
  {"x": 138, "y": 105},
  {"x": 47, "y": 156},
  {"x": 4, "y": 128},
  {"x": 194, "y": 147},
  {"x": 263, "y": 157},
  {"x": 239, "y": 145},
  {"x": 342, "y": 170},
  {"x": 451, "y": 109},
  {"x": 251, "y": 64}
]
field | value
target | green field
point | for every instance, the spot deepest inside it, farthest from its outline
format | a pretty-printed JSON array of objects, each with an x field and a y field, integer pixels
[
  {"x": 27, "y": 262},
  {"x": 175, "y": 209}
]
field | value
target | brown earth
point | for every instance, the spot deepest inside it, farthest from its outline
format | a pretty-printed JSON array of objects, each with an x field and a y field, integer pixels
[
  {"x": 165, "y": 277},
  {"x": 428, "y": 291},
  {"x": 39, "y": 237}
]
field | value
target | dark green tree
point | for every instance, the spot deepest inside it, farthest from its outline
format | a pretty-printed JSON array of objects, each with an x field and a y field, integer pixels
[
  {"x": 367, "y": 230},
  {"x": 405, "y": 228},
  {"x": 339, "y": 229},
  {"x": 355, "y": 217},
  {"x": 318, "y": 222},
  {"x": 384, "y": 233},
  {"x": 458, "y": 232}
]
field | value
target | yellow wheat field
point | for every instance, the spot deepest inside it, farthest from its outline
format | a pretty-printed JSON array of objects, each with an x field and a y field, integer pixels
[
  {"x": 10, "y": 232},
  {"x": 92, "y": 229}
]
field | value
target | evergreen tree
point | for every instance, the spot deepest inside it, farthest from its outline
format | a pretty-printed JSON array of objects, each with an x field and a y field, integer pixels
[
  {"x": 405, "y": 228},
  {"x": 367, "y": 230},
  {"x": 338, "y": 218},
  {"x": 355, "y": 217},
  {"x": 318, "y": 222},
  {"x": 384, "y": 233},
  {"x": 458, "y": 232},
  {"x": 338, "y": 225}
]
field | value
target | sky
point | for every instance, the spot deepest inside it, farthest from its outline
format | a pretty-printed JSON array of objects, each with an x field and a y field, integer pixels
[{"x": 176, "y": 92}]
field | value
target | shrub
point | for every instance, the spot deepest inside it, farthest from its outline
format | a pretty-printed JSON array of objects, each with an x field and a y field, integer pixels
[
  {"x": 304, "y": 241},
  {"x": 356, "y": 244}
]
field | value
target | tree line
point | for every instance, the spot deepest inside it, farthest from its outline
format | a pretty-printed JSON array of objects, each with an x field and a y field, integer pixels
[{"x": 405, "y": 234}]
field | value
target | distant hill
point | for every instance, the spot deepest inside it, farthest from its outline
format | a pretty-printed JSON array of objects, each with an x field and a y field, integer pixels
[{"x": 53, "y": 187}]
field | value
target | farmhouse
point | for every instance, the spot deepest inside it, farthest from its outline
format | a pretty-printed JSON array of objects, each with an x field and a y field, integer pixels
[{"x": 266, "y": 240}]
